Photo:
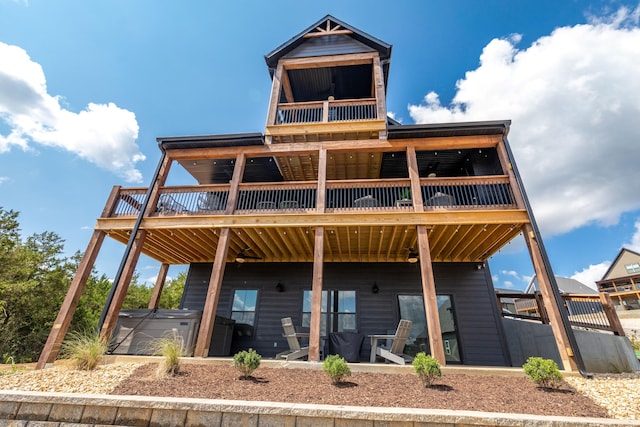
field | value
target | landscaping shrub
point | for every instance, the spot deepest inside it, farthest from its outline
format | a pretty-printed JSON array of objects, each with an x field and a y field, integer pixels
[
  {"x": 171, "y": 348},
  {"x": 336, "y": 367},
  {"x": 543, "y": 372},
  {"x": 427, "y": 368},
  {"x": 246, "y": 362},
  {"x": 84, "y": 349}
]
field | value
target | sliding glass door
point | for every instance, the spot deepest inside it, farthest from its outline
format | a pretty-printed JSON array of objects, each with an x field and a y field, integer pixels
[{"x": 412, "y": 308}]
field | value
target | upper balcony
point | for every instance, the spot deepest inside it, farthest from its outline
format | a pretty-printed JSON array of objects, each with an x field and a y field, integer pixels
[
  {"x": 326, "y": 121},
  {"x": 369, "y": 196}
]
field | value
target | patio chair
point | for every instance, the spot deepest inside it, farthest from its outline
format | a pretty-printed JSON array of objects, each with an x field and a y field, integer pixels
[
  {"x": 439, "y": 199},
  {"x": 366, "y": 202},
  {"x": 395, "y": 344},
  {"x": 295, "y": 350},
  {"x": 209, "y": 202}
]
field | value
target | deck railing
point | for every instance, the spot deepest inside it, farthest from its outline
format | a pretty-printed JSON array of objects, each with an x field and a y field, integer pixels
[
  {"x": 277, "y": 197},
  {"x": 326, "y": 111},
  {"x": 592, "y": 311},
  {"x": 343, "y": 195},
  {"x": 467, "y": 192},
  {"x": 391, "y": 194}
]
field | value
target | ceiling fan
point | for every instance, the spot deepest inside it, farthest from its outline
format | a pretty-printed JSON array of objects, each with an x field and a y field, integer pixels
[
  {"x": 413, "y": 255},
  {"x": 242, "y": 256}
]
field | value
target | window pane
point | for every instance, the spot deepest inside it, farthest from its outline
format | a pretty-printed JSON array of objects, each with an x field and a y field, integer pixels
[
  {"x": 244, "y": 306},
  {"x": 347, "y": 301}
]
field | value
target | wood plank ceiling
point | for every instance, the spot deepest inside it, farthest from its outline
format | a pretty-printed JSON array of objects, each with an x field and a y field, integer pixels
[{"x": 363, "y": 243}]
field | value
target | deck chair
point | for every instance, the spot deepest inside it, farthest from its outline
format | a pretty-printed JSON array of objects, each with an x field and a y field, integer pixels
[
  {"x": 395, "y": 344},
  {"x": 295, "y": 350}
]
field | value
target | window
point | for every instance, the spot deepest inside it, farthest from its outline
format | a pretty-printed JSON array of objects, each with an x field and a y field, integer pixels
[
  {"x": 412, "y": 308},
  {"x": 338, "y": 311},
  {"x": 633, "y": 268},
  {"x": 243, "y": 309}
]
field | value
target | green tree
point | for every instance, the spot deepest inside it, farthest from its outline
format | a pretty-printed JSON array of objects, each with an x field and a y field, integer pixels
[
  {"x": 172, "y": 291},
  {"x": 34, "y": 277}
]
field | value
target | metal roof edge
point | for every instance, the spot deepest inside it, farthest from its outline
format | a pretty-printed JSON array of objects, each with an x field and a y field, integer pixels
[
  {"x": 217, "y": 140},
  {"x": 502, "y": 126}
]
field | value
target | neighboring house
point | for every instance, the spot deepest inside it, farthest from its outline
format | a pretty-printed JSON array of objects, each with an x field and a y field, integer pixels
[
  {"x": 622, "y": 280},
  {"x": 335, "y": 216},
  {"x": 566, "y": 286}
]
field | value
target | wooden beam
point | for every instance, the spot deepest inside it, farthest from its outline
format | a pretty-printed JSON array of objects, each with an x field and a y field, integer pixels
[
  {"x": 550, "y": 304},
  {"x": 429, "y": 293},
  {"x": 379, "y": 92},
  {"x": 213, "y": 295},
  {"x": 238, "y": 171},
  {"x": 157, "y": 289},
  {"x": 507, "y": 167},
  {"x": 316, "y": 296},
  {"x": 322, "y": 181},
  {"x": 275, "y": 96},
  {"x": 371, "y": 145},
  {"x": 122, "y": 286},
  {"x": 330, "y": 127},
  {"x": 70, "y": 303},
  {"x": 328, "y": 61},
  {"x": 414, "y": 176}
]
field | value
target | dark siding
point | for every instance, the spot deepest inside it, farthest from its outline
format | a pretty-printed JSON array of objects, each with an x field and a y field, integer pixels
[
  {"x": 471, "y": 291},
  {"x": 328, "y": 45}
]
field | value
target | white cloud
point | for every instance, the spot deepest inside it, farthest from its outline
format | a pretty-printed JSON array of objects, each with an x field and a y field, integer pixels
[
  {"x": 3, "y": 179},
  {"x": 574, "y": 101},
  {"x": 634, "y": 244},
  {"x": 507, "y": 284},
  {"x": 103, "y": 134},
  {"x": 590, "y": 275}
]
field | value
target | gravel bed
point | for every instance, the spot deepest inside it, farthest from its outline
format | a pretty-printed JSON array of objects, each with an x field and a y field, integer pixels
[
  {"x": 62, "y": 379},
  {"x": 619, "y": 394}
]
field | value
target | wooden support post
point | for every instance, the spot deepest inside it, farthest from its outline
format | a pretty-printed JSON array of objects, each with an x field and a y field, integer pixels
[
  {"x": 542, "y": 312},
  {"x": 234, "y": 186},
  {"x": 122, "y": 286},
  {"x": 316, "y": 296},
  {"x": 429, "y": 293},
  {"x": 157, "y": 289},
  {"x": 275, "y": 95},
  {"x": 213, "y": 295},
  {"x": 414, "y": 176},
  {"x": 505, "y": 161},
  {"x": 70, "y": 303},
  {"x": 550, "y": 305},
  {"x": 612, "y": 315},
  {"x": 379, "y": 93},
  {"x": 322, "y": 181}
]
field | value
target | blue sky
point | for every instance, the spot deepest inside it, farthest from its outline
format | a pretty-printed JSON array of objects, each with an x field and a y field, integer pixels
[{"x": 86, "y": 87}]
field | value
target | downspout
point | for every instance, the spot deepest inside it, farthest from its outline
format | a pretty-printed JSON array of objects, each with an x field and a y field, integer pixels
[
  {"x": 547, "y": 265},
  {"x": 132, "y": 238}
]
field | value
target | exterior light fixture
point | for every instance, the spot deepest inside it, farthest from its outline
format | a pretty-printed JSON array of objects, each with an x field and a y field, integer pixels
[
  {"x": 413, "y": 256},
  {"x": 375, "y": 289},
  {"x": 280, "y": 287}
]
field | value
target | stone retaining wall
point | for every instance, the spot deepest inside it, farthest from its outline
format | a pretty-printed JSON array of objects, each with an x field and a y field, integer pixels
[{"x": 31, "y": 409}]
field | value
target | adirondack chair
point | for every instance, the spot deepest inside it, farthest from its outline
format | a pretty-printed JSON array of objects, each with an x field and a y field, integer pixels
[
  {"x": 392, "y": 352},
  {"x": 295, "y": 350}
]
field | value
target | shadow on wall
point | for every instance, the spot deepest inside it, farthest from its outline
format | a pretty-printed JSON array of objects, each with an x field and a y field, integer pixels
[{"x": 602, "y": 352}]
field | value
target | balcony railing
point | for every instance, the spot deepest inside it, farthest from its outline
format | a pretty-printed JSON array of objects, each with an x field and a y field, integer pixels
[
  {"x": 326, "y": 111},
  {"x": 585, "y": 311},
  {"x": 277, "y": 197},
  {"x": 467, "y": 192},
  {"x": 341, "y": 196}
]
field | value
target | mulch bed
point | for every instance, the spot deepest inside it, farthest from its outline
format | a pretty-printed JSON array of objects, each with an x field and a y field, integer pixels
[{"x": 451, "y": 391}]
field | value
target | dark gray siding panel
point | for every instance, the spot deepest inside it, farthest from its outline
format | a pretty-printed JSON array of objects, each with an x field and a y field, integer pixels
[
  {"x": 471, "y": 291},
  {"x": 328, "y": 45}
]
